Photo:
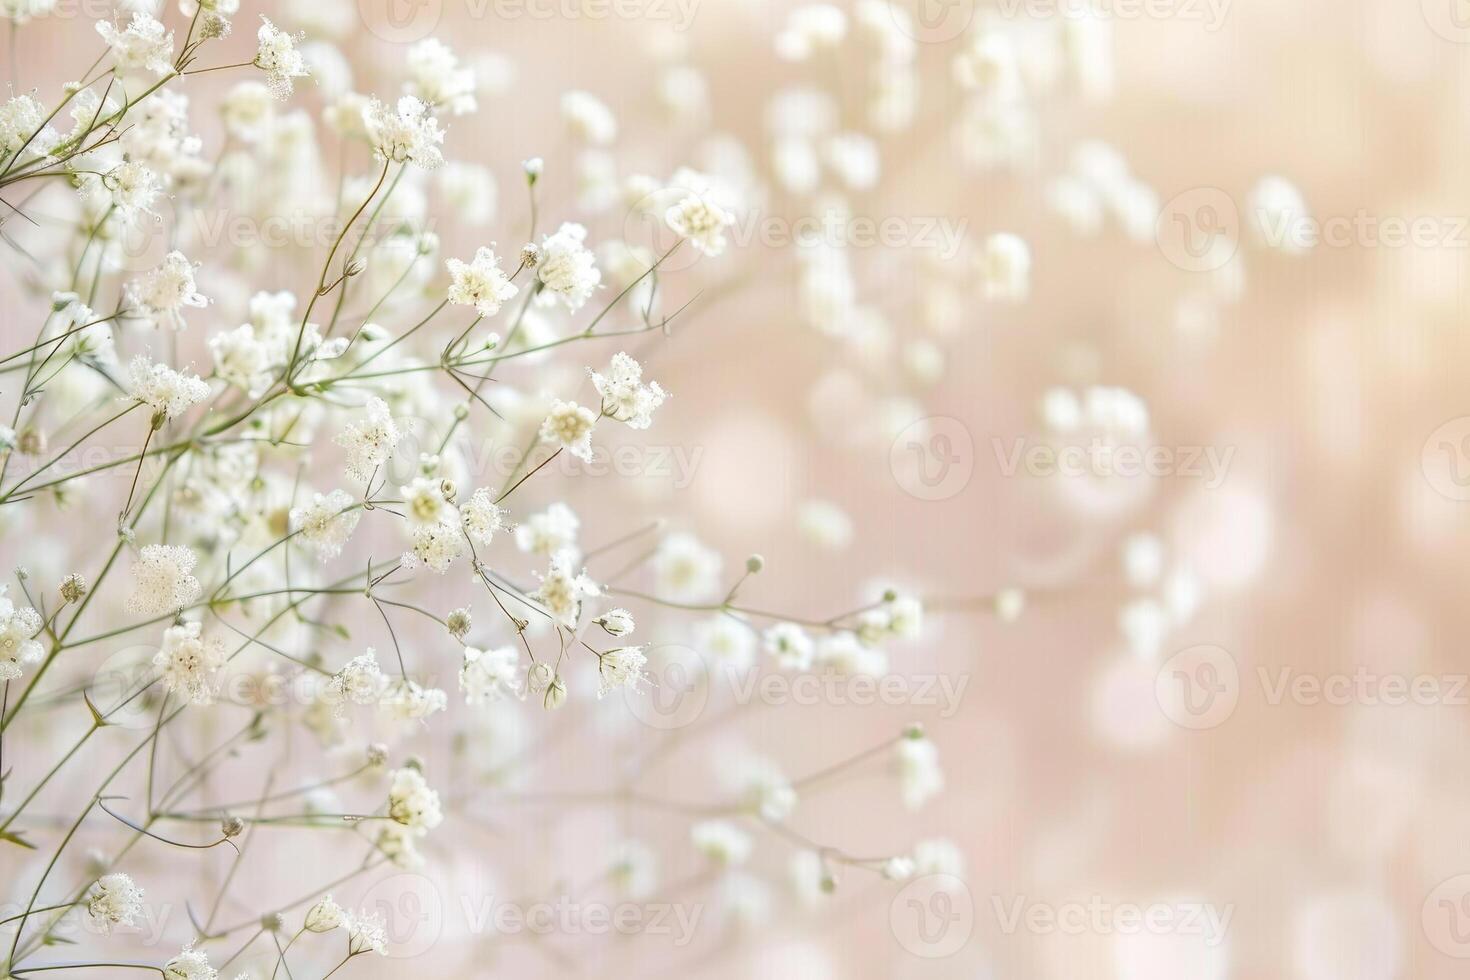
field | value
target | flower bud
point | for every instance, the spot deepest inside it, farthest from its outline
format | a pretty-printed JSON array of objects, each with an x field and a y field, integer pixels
[{"x": 556, "y": 694}]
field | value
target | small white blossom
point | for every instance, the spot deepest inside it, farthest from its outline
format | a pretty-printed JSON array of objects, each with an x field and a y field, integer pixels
[
  {"x": 625, "y": 398},
  {"x": 620, "y": 668},
  {"x": 411, "y": 801},
  {"x": 686, "y": 570},
  {"x": 142, "y": 44},
  {"x": 113, "y": 900},
  {"x": 589, "y": 117},
  {"x": 436, "y": 545},
  {"x": 550, "y": 532},
  {"x": 162, "y": 294},
  {"x": 407, "y": 700},
  {"x": 562, "y": 591},
  {"x": 190, "y": 662},
  {"x": 326, "y": 523},
  {"x": 791, "y": 645},
  {"x": 482, "y": 517},
  {"x": 721, "y": 842},
  {"x": 616, "y": 622},
  {"x": 700, "y": 215},
  {"x": 360, "y": 681},
  {"x": 276, "y": 55},
  {"x": 480, "y": 283},
  {"x": 489, "y": 675},
  {"x": 570, "y": 425},
  {"x": 325, "y": 916},
  {"x": 162, "y": 580},
  {"x": 367, "y": 931},
  {"x": 434, "y": 76},
  {"x": 370, "y": 442},
  {"x": 168, "y": 392},
  {"x": 190, "y": 964},
  {"x": 918, "y": 769},
  {"x": 18, "y": 648},
  {"x": 567, "y": 268},
  {"x": 405, "y": 133},
  {"x": 1005, "y": 269}
]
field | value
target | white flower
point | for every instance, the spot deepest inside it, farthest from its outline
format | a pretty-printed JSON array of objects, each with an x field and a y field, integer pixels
[
  {"x": 567, "y": 268},
  {"x": 241, "y": 359},
  {"x": 436, "y": 545},
  {"x": 482, "y": 517},
  {"x": 634, "y": 868},
  {"x": 938, "y": 856},
  {"x": 168, "y": 392},
  {"x": 764, "y": 790},
  {"x": 367, "y": 931},
  {"x": 550, "y": 532},
  {"x": 625, "y": 398},
  {"x": 918, "y": 771},
  {"x": 480, "y": 283},
  {"x": 729, "y": 641},
  {"x": 398, "y": 844},
  {"x": 620, "y": 668},
  {"x": 143, "y": 44},
  {"x": 589, "y": 117},
  {"x": 489, "y": 675},
  {"x": 686, "y": 571},
  {"x": 20, "y": 117},
  {"x": 162, "y": 580},
  {"x": 562, "y": 592},
  {"x": 721, "y": 842},
  {"x": 190, "y": 662},
  {"x": 277, "y": 56},
  {"x": 570, "y": 425},
  {"x": 905, "y": 617},
  {"x": 360, "y": 681},
  {"x": 325, "y": 916},
  {"x": 370, "y": 442},
  {"x": 842, "y": 653},
  {"x": 792, "y": 647},
  {"x": 190, "y": 964},
  {"x": 1005, "y": 269},
  {"x": 411, "y": 802},
  {"x": 406, "y": 133},
  {"x": 327, "y": 522},
  {"x": 700, "y": 215},
  {"x": 435, "y": 77},
  {"x": 248, "y": 110},
  {"x": 424, "y": 501},
  {"x": 133, "y": 187},
  {"x": 616, "y": 622},
  {"x": 898, "y": 868},
  {"x": 18, "y": 627},
  {"x": 161, "y": 295},
  {"x": 809, "y": 28},
  {"x": 113, "y": 900},
  {"x": 406, "y": 700}
]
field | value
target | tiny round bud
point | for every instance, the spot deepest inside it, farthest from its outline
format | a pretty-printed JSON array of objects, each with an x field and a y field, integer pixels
[
  {"x": 73, "y": 588},
  {"x": 448, "y": 489},
  {"x": 889, "y": 595},
  {"x": 428, "y": 243},
  {"x": 461, "y": 411},
  {"x": 272, "y": 922},
  {"x": 530, "y": 254},
  {"x": 534, "y": 168},
  {"x": 556, "y": 695},
  {"x": 458, "y": 622},
  {"x": 356, "y": 267},
  {"x": 829, "y": 883},
  {"x": 377, "y": 754},
  {"x": 232, "y": 826},
  {"x": 754, "y": 564},
  {"x": 32, "y": 442},
  {"x": 414, "y": 762},
  {"x": 914, "y": 732}
]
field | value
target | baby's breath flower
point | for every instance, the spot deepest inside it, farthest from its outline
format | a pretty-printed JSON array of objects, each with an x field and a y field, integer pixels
[
  {"x": 620, "y": 668},
  {"x": 458, "y": 622},
  {"x": 489, "y": 675},
  {"x": 168, "y": 392},
  {"x": 436, "y": 545},
  {"x": 480, "y": 282},
  {"x": 589, "y": 117},
  {"x": 190, "y": 964},
  {"x": 722, "y": 842},
  {"x": 435, "y": 77},
  {"x": 326, "y": 523},
  {"x": 625, "y": 397},
  {"x": 550, "y": 532},
  {"x": 1005, "y": 268},
  {"x": 276, "y": 55},
  {"x": 918, "y": 770},
  {"x": 699, "y": 216},
  {"x": 367, "y": 931},
  {"x": 18, "y": 648},
  {"x": 792, "y": 647},
  {"x": 616, "y": 622},
  {"x": 411, "y": 801},
  {"x": 686, "y": 570},
  {"x": 369, "y": 442},
  {"x": 360, "y": 681},
  {"x": 406, "y": 700},
  {"x": 562, "y": 591},
  {"x": 162, "y": 294},
  {"x": 142, "y": 44},
  {"x": 567, "y": 268},
  {"x": 73, "y": 588},
  {"x": 482, "y": 517},
  {"x": 162, "y": 580},
  {"x": 113, "y": 900},
  {"x": 325, "y": 916},
  {"x": 189, "y": 662},
  {"x": 570, "y": 425},
  {"x": 406, "y": 133}
]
